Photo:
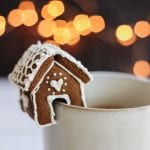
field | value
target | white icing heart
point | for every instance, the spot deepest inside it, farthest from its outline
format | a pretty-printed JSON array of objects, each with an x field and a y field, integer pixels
[{"x": 57, "y": 84}]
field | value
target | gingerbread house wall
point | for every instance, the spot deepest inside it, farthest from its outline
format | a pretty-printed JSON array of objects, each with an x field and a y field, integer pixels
[
  {"x": 70, "y": 86},
  {"x": 26, "y": 103}
]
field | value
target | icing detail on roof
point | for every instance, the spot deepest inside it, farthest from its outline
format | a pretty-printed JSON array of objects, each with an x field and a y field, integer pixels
[{"x": 31, "y": 61}]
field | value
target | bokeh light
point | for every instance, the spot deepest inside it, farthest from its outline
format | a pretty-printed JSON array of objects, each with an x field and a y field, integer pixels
[
  {"x": 2, "y": 22},
  {"x": 142, "y": 29},
  {"x": 97, "y": 23},
  {"x": 74, "y": 32},
  {"x": 60, "y": 23},
  {"x": 46, "y": 28},
  {"x": 74, "y": 41},
  {"x": 141, "y": 68},
  {"x": 26, "y": 5},
  {"x": 29, "y": 17},
  {"x": 2, "y": 25},
  {"x": 86, "y": 32},
  {"x": 128, "y": 42},
  {"x": 124, "y": 32},
  {"x": 62, "y": 35},
  {"x": 81, "y": 22},
  {"x": 56, "y": 8},
  {"x": 15, "y": 17},
  {"x": 2, "y": 31},
  {"x": 45, "y": 14},
  {"x": 52, "y": 42}
]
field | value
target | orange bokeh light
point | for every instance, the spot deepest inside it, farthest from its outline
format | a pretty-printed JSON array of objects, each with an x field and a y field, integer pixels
[
  {"x": 56, "y": 8},
  {"x": 85, "y": 33},
  {"x": 2, "y": 31},
  {"x": 97, "y": 23},
  {"x": 29, "y": 17},
  {"x": 74, "y": 41},
  {"x": 45, "y": 14},
  {"x": 52, "y": 42},
  {"x": 26, "y": 5},
  {"x": 46, "y": 28},
  {"x": 141, "y": 68},
  {"x": 74, "y": 32},
  {"x": 128, "y": 42},
  {"x": 60, "y": 23},
  {"x": 142, "y": 29},
  {"x": 15, "y": 17},
  {"x": 124, "y": 32},
  {"x": 81, "y": 22},
  {"x": 2, "y": 22},
  {"x": 62, "y": 35}
]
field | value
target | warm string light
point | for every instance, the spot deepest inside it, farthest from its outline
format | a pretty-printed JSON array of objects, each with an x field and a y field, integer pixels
[
  {"x": 24, "y": 15},
  {"x": 2, "y": 25},
  {"x": 55, "y": 8},
  {"x": 62, "y": 35},
  {"x": 126, "y": 35},
  {"x": 124, "y": 32},
  {"x": 97, "y": 23},
  {"x": 29, "y": 17},
  {"x": 128, "y": 42},
  {"x": 60, "y": 23},
  {"x": 141, "y": 68},
  {"x": 15, "y": 17},
  {"x": 45, "y": 14},
  {"x": 81, "y": 25},
  {"x": 142, "y": 29},
  {"x": 46, "y": 28},
  {"x": 24, "y": 5}
]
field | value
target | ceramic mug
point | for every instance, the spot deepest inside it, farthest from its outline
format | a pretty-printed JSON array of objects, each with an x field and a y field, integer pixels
[{"x": 118, "y": 117}]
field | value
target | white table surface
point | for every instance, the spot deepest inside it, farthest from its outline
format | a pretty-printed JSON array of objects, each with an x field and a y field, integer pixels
[{"x": 17, "y": 130}]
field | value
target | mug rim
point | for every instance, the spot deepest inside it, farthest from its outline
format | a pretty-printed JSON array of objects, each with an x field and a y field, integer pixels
[{"x": 114, "y": 74}]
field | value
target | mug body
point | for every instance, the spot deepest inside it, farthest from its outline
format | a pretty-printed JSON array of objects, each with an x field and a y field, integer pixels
[{"x": 117, "y": 117}]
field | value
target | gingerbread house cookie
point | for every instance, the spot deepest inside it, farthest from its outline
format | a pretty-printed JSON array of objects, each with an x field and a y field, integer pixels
[{"x": 46, "y": 73}]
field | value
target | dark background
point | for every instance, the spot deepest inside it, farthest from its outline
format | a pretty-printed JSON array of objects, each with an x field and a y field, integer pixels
[{"x": 96, "y": 51}]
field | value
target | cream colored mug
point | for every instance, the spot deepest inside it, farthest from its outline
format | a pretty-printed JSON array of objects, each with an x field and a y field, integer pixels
[{"x": 118, "y": 117}]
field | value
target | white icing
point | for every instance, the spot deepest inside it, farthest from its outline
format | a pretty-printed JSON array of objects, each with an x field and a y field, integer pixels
[
  {"x": 57, "y": 84},
  {"x": 46, "y": 82},
  {"x": 65, "y": 78},
  {"x": 65, "y": 84},
  {"x": 53, "y": 93},
  {"x": 25, "y": 101},
  {"x": 63, "y": 90},
  {"x": 47, "y": 77},
  {"x": 60, "y": 73},
  {"x": 48, "y": 89},
  {"x": 55, "y": 74},
  {"x": 45, "y": 51},
  {"x": 51, "y": 99}
]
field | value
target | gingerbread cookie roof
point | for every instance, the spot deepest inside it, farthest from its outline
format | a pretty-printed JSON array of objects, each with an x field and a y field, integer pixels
[{"x": 31, "y": 61}]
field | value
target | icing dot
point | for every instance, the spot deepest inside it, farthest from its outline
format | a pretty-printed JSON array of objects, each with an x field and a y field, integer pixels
[
  {"x": 65, "y": 84},
  {"x": 63, "y": 90},
  {"x": 65, "y": 78},
  {"x": 46, "y": 82},
  {"x": 48, "y": 89},
  {"x": 53, "y": 93},
  {"x": 60, "y": 73},
  {"x": 47, "y": 77},
  {"x": 55, "y": 74}
]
